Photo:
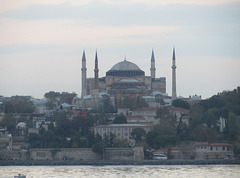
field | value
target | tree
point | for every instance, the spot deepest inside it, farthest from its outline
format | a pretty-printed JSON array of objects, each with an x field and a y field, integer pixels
[
  {"x": 232, "y": 127},
  {"x": 162, "y": 141},
  {"x": 120, "y": 119},
  {"x": 134, "y": 103},
  {"x": 138, "y": 134},
  {"x": 214, "y": 102},
  {"x": 117, "y": 143},
  {"x": 18, "y": 104},
  {"x": 203, "y": 133},
  {"x": 99, "y": 148},
  {"x": 180, "y": 103},
  {"x": 52, "y": 95},
  {"x": 164, "y": 115},
  {"x": 66, "y": 97},
  {"x": 9, "y": 121}
]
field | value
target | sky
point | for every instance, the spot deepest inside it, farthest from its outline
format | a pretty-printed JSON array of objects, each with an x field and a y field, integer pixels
[{"x": 42, "y": 41}]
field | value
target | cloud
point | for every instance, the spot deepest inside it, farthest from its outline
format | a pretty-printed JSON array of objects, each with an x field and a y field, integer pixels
[
  {"x": 6, "y": 5},
  {"x": 132, "y": 14},
  {"x": 72, "y": 32}
]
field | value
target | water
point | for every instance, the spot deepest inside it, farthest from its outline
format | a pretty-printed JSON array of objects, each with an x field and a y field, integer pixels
[{"x": 187, "y": 171}]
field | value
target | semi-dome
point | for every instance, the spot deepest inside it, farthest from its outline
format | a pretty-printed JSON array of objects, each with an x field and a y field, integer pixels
[{"x": 125, "y": 69}]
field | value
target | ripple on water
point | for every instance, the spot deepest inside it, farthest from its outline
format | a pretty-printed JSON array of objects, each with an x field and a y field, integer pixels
[{"x": 212, "y": 171}]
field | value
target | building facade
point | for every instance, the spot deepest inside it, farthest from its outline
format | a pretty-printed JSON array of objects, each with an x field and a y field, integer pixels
[
  {"x": 124, "y": 79},
  {"x": 121, "y": 131}
]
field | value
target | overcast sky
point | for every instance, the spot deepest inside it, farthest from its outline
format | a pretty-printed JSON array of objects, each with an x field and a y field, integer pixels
[{"x": 41, "y": 42}]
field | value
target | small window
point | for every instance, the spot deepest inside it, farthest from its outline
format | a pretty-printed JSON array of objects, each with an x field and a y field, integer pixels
[
  {"x": 104, "y": 129},
  {"x": 217, "y": 148},
  {"x": 228, "y": 149},
  {"x": 118, "y": 134},
  {"x": 125, "y": 128},
  {"x": 118, "y": 129},
  {"x": 211, "y": 148},
  {"x": 223, "y": 148},
  {"x": 126, "y": 134}
]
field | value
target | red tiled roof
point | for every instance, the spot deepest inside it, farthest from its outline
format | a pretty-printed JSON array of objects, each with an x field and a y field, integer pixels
[
  {"x": 211, "y": 144},
  {"x": 185, "y": 117},
  {"x": 220, "y": 144},
  {"x": 201, "y": 143},
  {"x": 160, "y": 151}
]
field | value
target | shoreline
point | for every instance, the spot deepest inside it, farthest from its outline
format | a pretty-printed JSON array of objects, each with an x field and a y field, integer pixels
[{"x": 116, "y": 163}]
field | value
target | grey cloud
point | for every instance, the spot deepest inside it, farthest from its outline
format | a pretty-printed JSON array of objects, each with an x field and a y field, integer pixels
[{"x": 107, "y": 14}]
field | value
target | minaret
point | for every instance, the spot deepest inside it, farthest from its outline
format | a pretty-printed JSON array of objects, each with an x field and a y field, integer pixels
[
  {"x": 153, "y": 69},
  {"x": 174, "y": 92},
  {"x": 84, "y": 75},
  {"x": 96, "y": 83}
]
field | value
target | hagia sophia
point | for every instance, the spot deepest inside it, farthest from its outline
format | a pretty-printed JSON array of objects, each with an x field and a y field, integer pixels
[{"x": 124, "y": 79}]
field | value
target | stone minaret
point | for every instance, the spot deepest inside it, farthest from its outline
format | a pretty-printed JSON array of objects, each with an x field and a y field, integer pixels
[
  {"x": 174, "y": 91},
  {"x": 96, "y": 70},
  {"x": 84, "y": 75},
  {"x": 153, "y": 69}
]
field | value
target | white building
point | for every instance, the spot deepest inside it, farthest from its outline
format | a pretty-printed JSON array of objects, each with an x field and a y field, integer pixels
[{"x": 121, "y": 131}]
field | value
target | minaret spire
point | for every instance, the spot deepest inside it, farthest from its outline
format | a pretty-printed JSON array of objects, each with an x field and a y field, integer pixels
[
  {"x": 84, "y": 75},
  {"x": 174, "y": 91},
  {"x": 96, "y": 70},
  {"x": 153, "y": 69}
]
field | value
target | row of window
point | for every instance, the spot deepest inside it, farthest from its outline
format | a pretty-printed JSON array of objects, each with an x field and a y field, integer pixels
[
  {"x": 111, "y": 129},
  {"x": 223, "y": 148}
]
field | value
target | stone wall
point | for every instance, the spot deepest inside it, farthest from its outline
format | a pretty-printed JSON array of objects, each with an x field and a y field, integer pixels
[
  {"x": 14, "y": 155},
  {"x": 75, "y": 154},
  {"x": 63, "y": 154},
  {"x": 124, "y": 154}
]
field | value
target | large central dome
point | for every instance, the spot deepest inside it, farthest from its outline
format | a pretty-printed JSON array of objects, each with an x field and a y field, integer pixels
[
  {"x": 125, "y": 69},
  {"x": 125, "y": 65}
]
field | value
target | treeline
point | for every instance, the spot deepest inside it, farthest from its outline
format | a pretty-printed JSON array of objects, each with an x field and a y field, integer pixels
[{"x": 204, "y": 123}]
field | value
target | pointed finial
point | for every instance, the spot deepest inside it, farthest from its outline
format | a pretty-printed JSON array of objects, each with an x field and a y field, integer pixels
[
  {"x": 96, "y": 58},
  {"x": 174, "y": 58},
  {"x": 83, "y": 57},
  {"x": 152, "y": 57}
]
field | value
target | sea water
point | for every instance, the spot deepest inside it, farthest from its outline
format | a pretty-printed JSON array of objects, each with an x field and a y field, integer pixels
[{"x": 195, "y": 171}]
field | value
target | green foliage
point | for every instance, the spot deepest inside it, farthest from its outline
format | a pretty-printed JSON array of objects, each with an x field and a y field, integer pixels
[
  {"x": 18, "y": 104},
  {"x": 99, "y": 148},
  {"x": 183, "y": 131},
  {"x": 203, "y": 133},
  {"x": 133, "y": 103},
  {"x": 205, "y": 116},
  {"x": 120, "y": 119},
  {"x": 9, "y": 121},
  {"x": 66, "y": 97},
  {"x": 138, "y": 134},
  {"x": 164, "y": 133},
  {"x": 63, "y": 97},
  {"x": 50, "y": 105},
  {"x": 164, "y": 115},
  {"x": 52, "y": 95},
  {"x": 162, "y": 141},
  {"x": 232, "y": 131},
  {"x": 120, "y": 143},
  {"x": 180, "y": 103},
  {"x": 214, "y": 102}
]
